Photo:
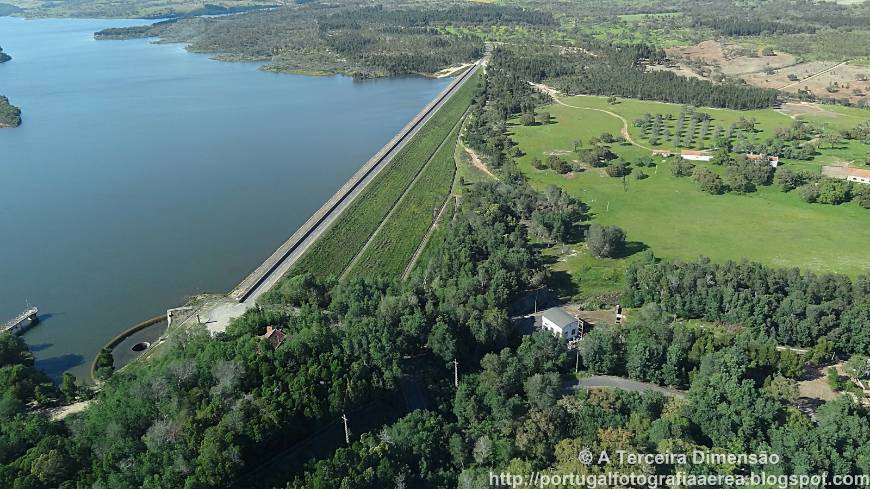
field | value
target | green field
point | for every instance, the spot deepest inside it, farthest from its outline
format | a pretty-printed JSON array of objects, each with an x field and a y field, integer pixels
[
  {"x": 338, "y": 246},
  {"x": 674, "y": 218},
  {"x": 394, "y": 244}
]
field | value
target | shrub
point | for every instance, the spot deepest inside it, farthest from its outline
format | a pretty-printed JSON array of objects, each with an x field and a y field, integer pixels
[
  {"x": 527, "y": 119},
  {"x": 834, "y": 192},
  {"x": 788, "y": 180},
  {"x": 617, "y": 169},
  {"x": 605, "y": 241},
  {"x": 682, "y": 168},
  {"x": 808, "y": 192},
  {"x": 862, "y": 196},
  {"x": 709, "y": 181}
]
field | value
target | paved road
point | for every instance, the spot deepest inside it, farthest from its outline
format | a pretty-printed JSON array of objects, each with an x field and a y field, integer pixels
[
  {"x": 610, "y": 381},
  {"x": 271, "y": 271}
]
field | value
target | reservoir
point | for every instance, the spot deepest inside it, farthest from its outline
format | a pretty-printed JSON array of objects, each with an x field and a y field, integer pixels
[{"x": 142, "y": 174}]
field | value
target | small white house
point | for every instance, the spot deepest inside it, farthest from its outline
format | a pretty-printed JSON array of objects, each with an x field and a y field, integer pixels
[
  {"x": 688, "y": 154},
  {"x": 858, "y": 175},
  {"x": 560, "y": 323},
  {"x": 771, "y": 160}
]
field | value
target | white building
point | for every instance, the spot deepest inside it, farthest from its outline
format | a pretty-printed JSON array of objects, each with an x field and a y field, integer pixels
[
  {"x": 858, "y": 175},
  {"x": 688, "y": 154},
  {"x": 560, "y": 323},
  {"x": 771, "y": 160}
]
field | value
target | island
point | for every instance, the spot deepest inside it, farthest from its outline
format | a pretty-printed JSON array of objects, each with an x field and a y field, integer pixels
[
  {"x": 10, "y": 115},
  {"x": 3, "y": 56}
]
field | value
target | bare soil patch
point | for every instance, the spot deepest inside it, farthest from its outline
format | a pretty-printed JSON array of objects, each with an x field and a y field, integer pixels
[
  {"x": 478, "y": 163},
  {"x": 816, "y": 386},
  {"x": 729, "y": 59},
  {"x": 62, "y": 412},
  {"x": 710, "y": 59},
  {"x": 822, "y": 79}
]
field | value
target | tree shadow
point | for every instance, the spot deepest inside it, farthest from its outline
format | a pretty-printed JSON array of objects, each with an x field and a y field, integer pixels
[
  {"x": 561, "y": 284},
  {"x": 39, "y": 346},
  {"x": 631, "y": 248},
  {"x": 54, "y": 367}
]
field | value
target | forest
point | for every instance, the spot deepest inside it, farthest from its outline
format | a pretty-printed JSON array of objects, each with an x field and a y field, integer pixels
[{"x": 360, "y": 41}]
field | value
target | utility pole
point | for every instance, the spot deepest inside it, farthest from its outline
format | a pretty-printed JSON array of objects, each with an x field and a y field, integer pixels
[
  {"x": 346, "y": 431},
  {"x": 456, "y": 373}
]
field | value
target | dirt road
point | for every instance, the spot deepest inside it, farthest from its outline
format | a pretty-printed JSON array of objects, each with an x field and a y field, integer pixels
[{"x": 624, "y": 131}]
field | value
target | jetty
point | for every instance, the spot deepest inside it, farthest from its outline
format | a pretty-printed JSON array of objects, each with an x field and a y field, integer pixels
[{"x": 21, "y": 322}]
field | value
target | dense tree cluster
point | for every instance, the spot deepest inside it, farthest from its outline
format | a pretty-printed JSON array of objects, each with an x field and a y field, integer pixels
[
  {"x": 602, "y": 78},
  {"x": 512, "y": 416},
  {"x": 34, "y": 452},
  {"x": 794, "y": 308},
  {"x": 655, "y": 349}
]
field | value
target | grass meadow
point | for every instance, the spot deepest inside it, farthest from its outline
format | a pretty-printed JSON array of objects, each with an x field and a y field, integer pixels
[{"x": 675, "y": 219}]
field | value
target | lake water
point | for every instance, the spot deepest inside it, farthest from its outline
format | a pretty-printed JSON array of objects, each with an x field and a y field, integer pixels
[{"x": 143, "y": 174}]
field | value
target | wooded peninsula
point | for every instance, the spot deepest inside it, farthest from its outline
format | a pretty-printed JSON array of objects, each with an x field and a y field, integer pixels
[{"x": 10, "y": 115}]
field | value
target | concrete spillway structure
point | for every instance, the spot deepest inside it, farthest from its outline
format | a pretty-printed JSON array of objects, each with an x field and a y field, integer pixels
[
  {"x": 21, "y": 322},
  {"x": 268, "y": 274}
]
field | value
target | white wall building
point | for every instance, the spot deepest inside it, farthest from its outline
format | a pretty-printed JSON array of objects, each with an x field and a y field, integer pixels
[
  {"x": 560, "y": 323},
  {"x": 688, "y": 154},
  {"x": 858, "y": 175}
]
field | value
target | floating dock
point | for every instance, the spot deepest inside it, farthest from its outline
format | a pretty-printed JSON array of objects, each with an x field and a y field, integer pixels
[{"x": 22, "y": 322}]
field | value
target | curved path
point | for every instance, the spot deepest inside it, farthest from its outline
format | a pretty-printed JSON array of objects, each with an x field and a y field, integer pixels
[
  {"x": 624, "y": 130},
  {"x": 552, "y": 92}
]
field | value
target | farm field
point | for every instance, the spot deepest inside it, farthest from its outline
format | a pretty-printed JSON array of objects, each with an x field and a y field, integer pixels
[
  {"x": 675, "y": 219},
  {"x": 338, "y": 246}
]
